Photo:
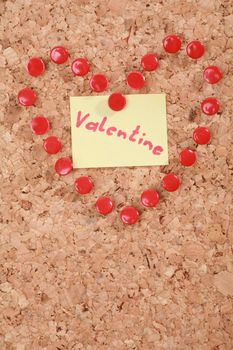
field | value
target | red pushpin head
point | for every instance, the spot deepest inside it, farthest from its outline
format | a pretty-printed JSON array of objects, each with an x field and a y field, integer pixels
[
  {"x": 63, "y": 166},
  {"x": 59, "y": 54},
  {"x": 212, "y": 74},
  {"x": 40, "y": 125},
  {"x": 150, "y": 198},
  {"x": 26, "y": 97},
  {"x": 98, "y": 83},
  {"x": 149, "y": 62},
  {"x": 187, "y": 157},
  {"x": 80, "y": 66},
  {"x": 172, "y": 43},
  {"x": 52, "y": 145},
  {"x": 129, "y": 215},
  {"x": 195, "y": 49},
  {"x": 104, "y": 205},
  {"x": 83, "y": 185},
  {"x": 210, "y": 106},
  {"x": 135, "y": 80},
  {"x": 171, "y": 182},
  {"x": 35, "y": 66},
  {"x": 201, "y": 135},
  {"x": 116, "y": 101}
]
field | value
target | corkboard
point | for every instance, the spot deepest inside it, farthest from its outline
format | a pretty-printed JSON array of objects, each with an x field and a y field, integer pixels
[{"x": 71, "y": 279}]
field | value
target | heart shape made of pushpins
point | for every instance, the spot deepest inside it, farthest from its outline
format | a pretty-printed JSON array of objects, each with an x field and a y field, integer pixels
[{"x": 135, "y": 79}]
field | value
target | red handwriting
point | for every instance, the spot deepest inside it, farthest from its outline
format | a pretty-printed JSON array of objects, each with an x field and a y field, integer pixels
[{"x": 112, "y": 130}]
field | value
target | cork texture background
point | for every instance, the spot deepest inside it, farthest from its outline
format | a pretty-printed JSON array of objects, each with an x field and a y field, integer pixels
[{"x": 69, "y": 278}]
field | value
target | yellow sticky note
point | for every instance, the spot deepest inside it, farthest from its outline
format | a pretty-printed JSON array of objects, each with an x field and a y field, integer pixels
[{"x": 134, "y": 136}]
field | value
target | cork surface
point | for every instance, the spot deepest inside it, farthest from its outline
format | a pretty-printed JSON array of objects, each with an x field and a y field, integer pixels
[{"x": 70, "y": 279}]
